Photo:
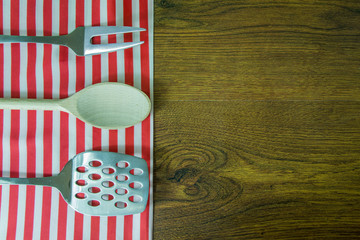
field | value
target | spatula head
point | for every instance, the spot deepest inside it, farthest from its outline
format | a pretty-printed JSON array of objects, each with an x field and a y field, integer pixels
[{"x": 108, "y": 184}]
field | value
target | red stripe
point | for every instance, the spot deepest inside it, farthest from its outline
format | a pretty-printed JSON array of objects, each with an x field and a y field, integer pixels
[
  {"x": 31, "y": 169},
  {"x": 80, "y": 147},
  {"x": 47, "y": 171},
  {"x": 31, "y": 120},
  {"x": 129, "y": 79},
  {"x": 111, "y": 19},
  {"x": 80, "y": 126},
  {"x": 95, "y": 221},
  {"x": 1, "y": 94},
  {"x": 113, "y": 134},
  {"x": 146, "y": 124},
  {"x": 64, "y": 117},
  {"x": 95, "y": 228},
  {"x": 129, "y": 149},
  {"x": 15, "y": 121},
  {"x": 48, "y": 121},
  {"x": 96, "y": 74},
  {"x": 14, "y": 172},
  {"x": 64, "y": 157},
  {"x": 96, "y": 59},
  {"x": 64, "y": 51}
]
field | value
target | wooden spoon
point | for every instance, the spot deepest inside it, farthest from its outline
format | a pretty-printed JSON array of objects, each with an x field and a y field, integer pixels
[{"x": 109, "y": 105}]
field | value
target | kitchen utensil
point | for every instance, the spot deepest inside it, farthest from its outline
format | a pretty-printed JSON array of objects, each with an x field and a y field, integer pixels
[
  {"x": 109, "y": 105},
  {"x": 99, "y": 183},
  {"x": 79, "y": 40}
]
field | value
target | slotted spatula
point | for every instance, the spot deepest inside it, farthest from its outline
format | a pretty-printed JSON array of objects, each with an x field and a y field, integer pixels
[{"x": 99, "y": 183}]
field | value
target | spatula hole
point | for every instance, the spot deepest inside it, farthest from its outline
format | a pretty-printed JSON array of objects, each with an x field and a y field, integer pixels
[
  {"x": 136, "y": 171},
  {"x": 107, "y": 184},
  {"x": 108, "y": 170},
  {"x": 94, "y": 203},
  {"x": 80, "y": 195},
  {"x": 120, "y": 204},
  {"x": 95, "y": 163},
  {"x": 94, "y": 190},
  {"x": 81, "y": 182},
  {"x": 82, "y": 169},
  {"x": 94, "y": 176},
  {"x": 135, "y": 199},
  {"x": 122, "y": 178},
  {"x": 107, "y": 197},
  {"x": 121, "y": 191},
  {"x": 135, "y": 185},
  {"x": 122, "y": 164}
]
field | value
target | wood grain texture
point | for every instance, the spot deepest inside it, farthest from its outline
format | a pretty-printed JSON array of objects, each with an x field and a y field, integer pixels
[
  {"x": 257, "y": 119},
  {"x": 257, "y": 50}
]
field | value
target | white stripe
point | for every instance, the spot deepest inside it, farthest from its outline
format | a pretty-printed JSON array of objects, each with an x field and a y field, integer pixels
[
  {"x": 121, "y": 78},
  {"x": 104, "y": 78},
  {"x": 39, "y": 173},
  {"x": 4, "y": 213},
  {"x": 4, "y": 210},
  {"x": 22, "y": 174},
  {"x": 7, "y": 52},
  {"x": 120, "y": 38},
  {"x": 88, "y": 128},
  {"x": 88, "y": 82},
  {"x": 20, "y": 219},
  {"x": 23, "y": 50},
  {"x": 136, "y": 50},
  {"x": 39, "y": 122},
  {"x": 104, "y": 140},
  {"x": 39, "y": 53},
  {"x": 86, "y": 227},
  {"x": 23, "y": 124},
  {"x": 136, "y": 226},
  {"x": 103, "y": 228},
  {"x": 137, "y": 84},
  {"x": 70, "y": 222},
  {"x": 55, "y": 51},
  {"x": 151, "y": 64},
  {"x": 37, "y": 212},
  {"x": 137, "y": 152},
  {"x": 120, "y": 227},
  {"x": 54, "y": 213},
  {"x": 6, "y": 18}
]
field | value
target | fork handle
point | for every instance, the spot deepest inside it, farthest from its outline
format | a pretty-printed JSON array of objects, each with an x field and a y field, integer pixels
[
  {"x": 43, "y": 181},
  {"x": 59, "y": 40}
]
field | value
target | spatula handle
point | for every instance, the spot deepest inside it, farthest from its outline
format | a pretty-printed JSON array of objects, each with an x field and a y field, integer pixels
[
  {"x": 44, "y": 181},
  {"x": 29, "y": 104}
]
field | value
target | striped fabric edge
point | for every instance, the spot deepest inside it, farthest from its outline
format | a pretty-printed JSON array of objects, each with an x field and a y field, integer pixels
[{"x": 39, "y": 143}]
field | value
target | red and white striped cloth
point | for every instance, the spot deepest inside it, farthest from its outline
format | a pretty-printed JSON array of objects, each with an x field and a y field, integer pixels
[{"x": 39, "y": 143}]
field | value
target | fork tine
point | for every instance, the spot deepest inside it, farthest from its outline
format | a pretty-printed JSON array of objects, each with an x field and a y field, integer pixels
[
  {"x": 105, "y": 48},
  {"x": 106, "y": 30}
]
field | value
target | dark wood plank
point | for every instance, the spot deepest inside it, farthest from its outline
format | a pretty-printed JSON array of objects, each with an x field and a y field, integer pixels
[
  {"x": 216, "y": 50},
  {"x": 257, "y": 130},
  {"x": 257, "y": 169}
]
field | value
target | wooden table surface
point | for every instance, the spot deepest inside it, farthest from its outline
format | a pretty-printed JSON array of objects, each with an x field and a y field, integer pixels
[{"x": 257, "y": 119}]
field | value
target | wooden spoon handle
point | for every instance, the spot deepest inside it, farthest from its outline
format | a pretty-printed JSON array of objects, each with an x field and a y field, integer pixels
[{"x": 30, "y": 104}]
